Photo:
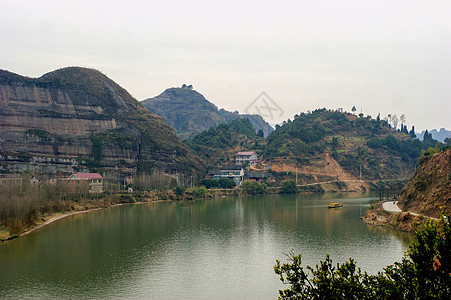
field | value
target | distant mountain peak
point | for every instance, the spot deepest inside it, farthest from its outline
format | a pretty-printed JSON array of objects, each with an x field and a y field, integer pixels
[{"x": 189, "y": 112}]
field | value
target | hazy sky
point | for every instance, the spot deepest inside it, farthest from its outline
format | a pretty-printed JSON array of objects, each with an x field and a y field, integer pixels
[{"x": 388, "y": 57}]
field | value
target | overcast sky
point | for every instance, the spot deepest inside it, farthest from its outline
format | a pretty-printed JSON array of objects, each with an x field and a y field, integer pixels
[{"x": 388, "y": 57}]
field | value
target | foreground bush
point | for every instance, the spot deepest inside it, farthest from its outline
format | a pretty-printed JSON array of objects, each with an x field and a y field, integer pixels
[
  {"x": 253, "y": 187},
  {"x": 223, "y": 183},
  {"x": 423, "y": 273}
]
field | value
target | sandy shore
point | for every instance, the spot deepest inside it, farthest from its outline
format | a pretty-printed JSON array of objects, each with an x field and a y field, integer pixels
[{"x": 59, "y": 216}]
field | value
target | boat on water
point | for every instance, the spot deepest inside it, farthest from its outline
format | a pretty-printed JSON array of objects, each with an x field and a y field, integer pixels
[{"x": 335, "y": 204}]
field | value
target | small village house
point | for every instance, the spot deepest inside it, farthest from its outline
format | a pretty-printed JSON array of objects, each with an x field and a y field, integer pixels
[
  {"x": 250, "y": 157},
  {"x": 234, "y": 172},
  {"x": 84, "y": 182},
  {"x": 10, "y": 179}
]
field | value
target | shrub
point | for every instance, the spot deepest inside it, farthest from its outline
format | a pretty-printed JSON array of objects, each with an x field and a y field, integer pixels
[
  {"x": 253, "y": 187},
  {"x": 288, "y": 187},
  {"x": 423, "y": 273},
  {"x": 200, "y": 192},
  {"x": 179, "y": 190},
  {"x": 209, "y": 183},
  {"x": 226, "y": 183}
]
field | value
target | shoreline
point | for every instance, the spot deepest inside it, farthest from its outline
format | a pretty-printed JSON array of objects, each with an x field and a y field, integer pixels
[
  {"x": 61, "y": 215},
  {"x": 58, "y": 216},
  {"x": 405, "y": 221}
]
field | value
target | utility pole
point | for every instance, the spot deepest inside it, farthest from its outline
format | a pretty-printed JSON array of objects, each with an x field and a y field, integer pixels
[
  {"x": 296, "y": 175},
  {"x": 360, "y": 172}
]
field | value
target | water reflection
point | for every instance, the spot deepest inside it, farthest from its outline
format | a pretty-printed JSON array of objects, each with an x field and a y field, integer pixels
[{"x": 222, "y": 248}]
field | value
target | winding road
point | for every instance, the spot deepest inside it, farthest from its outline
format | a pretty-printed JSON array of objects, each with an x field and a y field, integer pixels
[{"x": 391, "y": 206}]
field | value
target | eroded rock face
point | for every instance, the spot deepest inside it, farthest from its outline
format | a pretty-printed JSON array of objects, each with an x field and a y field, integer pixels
[
  {"x": 189, "y": 113},
  {"x": 428, "y": 192},
  {"x": 77, "y": 118}
]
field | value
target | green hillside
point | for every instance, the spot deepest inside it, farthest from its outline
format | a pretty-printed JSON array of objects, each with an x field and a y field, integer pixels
[
  {"x": 356, "y": 143},
  {"x": 219, "y": 144}
]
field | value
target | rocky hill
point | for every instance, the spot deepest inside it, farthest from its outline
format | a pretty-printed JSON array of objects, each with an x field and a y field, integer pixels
[
  {"x": 331, "y": 145},
  {"x": 430, "y": 188},
  {"x": 427, "y": 194},
  {"x": 189, "y": 113},
  {"x": 79, "y": 119}
]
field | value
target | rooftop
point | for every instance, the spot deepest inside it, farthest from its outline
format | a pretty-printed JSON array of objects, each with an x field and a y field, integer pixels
[
  {"x": 231, "y": 167},
  {"x": 246, "y": 153},
  {"x": 87, "y": 175}
]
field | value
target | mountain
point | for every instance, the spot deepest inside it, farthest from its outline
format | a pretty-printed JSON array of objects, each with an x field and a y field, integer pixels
[
  {"x": 256, "y": 121},
  {"x": 219, "y": 144},
  {"x": 436, "y": 135},
  {"x": 189, "y": 113},
  {"x": 78, "y": 119},
  {"x": 331, "y": 145},
  {"x": 429, "y": 190}
]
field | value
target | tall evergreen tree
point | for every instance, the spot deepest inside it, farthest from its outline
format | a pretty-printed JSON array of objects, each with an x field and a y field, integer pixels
[{"x": 412, "y": 132}]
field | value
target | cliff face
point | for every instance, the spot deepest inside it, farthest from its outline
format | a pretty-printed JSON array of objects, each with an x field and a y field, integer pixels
[
  {"x": 76, "y": 118},
  {"x": 430, "y": 188},
  {"x": 189, "y": 113}
]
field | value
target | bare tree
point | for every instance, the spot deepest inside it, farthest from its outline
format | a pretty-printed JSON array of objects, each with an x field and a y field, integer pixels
[
  {"x": 395, "y": 121},
  {"x": 402, "y": 119}
]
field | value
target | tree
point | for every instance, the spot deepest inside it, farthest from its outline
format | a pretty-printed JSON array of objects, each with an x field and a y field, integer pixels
[
  {"x": 226, "y": 183},
  {"x": 423, "y": 273},
  {"x": 353, "y": 109},
  {"x": 179, "y": 190},
  {"x": 288, "y": 187},
  {"x": 209, "y": 183},
  {"x": 402, "y": 119},
  {"x": 395, "y": 121},
  {"x": 260, "y": 133},
  {"x": 412, "y": 132},
  {"x": 253, "y": 187}
]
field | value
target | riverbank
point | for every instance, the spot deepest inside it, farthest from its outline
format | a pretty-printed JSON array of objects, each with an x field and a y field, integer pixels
[
  {"x": 54, "y": 210},
  {"x": 71, "y": 207},
  {"x": 50, "y": 218},
  {"x": 58, "y": 209},
  {"x": 399, "y": 220}
]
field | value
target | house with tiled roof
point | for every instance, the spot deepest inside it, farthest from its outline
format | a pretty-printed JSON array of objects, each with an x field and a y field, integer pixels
[
  {"x": 84, "y": 182},
  {"x": 246, "y": 156}
]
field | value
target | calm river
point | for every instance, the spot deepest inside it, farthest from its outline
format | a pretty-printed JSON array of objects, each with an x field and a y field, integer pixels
[{"x": 213, "y": 249}]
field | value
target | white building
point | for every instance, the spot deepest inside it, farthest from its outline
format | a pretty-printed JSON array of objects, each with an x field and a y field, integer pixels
[
  {"x": 242, "y": 157},
  {"x": 234, "y": 172}
]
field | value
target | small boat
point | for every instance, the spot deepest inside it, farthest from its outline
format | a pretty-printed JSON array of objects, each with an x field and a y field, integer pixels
[{"x": 335, "y": 204}]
